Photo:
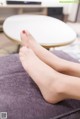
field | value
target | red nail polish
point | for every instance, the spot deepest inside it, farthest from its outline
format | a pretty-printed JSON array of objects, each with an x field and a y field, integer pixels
[{"x": 23, "y": 31}]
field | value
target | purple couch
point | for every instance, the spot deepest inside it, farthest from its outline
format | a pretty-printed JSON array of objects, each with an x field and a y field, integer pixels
[{"x": 21, "y": 98}]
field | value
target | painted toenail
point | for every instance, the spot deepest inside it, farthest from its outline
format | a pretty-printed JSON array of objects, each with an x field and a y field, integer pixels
[{"x": 23, "y": 31}]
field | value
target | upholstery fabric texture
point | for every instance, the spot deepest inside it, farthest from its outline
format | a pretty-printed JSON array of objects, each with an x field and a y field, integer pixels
[{"x": 21, "y": 98}]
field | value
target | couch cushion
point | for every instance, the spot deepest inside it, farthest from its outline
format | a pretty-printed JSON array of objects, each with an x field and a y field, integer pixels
[{"x": 21, "y": 98}]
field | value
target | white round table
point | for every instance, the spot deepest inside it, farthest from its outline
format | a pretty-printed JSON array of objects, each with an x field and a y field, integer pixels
[{"x": 48, "y": 31}]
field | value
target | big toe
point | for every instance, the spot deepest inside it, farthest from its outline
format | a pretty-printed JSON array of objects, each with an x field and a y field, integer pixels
[
  {"x": 24, "y": 38},
  {"x": 29, "y": 35},
  {"x": 24, "y": 50}
]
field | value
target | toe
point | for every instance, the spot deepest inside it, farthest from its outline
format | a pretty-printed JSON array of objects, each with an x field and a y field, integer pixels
[
  {"x": 23, "y": 49},
  {"x": 29, "y": 35},
  {"x": 24, "y": 38}
]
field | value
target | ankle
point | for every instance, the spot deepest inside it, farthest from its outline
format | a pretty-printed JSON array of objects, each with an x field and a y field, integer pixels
[{"x": 56, "y": 92}]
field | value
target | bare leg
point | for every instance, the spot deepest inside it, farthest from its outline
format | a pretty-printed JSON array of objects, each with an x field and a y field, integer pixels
[
  {"x": 41, "y": 73},
  {"x": 53, "y": 61},
  {"x": 53, "y": 85}
]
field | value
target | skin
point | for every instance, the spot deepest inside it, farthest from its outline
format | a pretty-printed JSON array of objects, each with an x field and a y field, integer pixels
[
  {"x": 54, "y": 85},
  {"x": 47, "y": 57}
]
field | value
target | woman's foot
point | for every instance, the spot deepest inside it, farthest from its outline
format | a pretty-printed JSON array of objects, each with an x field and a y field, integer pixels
[
  {"x": 47, "y": 79},
  {"x": 46, "y": 56},
  {"x": 50, "y": 59},
  {"x": 27, "y": 39}
]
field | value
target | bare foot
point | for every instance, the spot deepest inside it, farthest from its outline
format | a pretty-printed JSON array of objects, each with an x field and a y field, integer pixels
[
  {"x": 50, "y": 59},
  {"x": 46, "y": 56},
  {"x": 27, "y": 39},
  {"x": 47, "y": 79}
]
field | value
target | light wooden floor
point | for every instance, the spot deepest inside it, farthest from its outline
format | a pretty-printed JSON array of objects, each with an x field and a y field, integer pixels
[{"x": 7, "y": 46}]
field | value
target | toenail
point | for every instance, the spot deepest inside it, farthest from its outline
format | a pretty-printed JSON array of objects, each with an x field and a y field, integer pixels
[{"x": 24, "y": 31}]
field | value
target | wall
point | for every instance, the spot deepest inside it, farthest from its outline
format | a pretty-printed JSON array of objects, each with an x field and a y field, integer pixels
[
  {"x": 78, "y": 17},
  {"x": 69, "y": 9},
  {"x": 73, "y": 12}
]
